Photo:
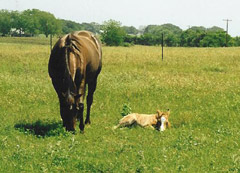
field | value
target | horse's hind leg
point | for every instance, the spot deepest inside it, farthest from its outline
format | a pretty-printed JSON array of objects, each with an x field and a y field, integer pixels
[
  {"x": 91, "y": 89},
  {"x": 127, "y": 120}
]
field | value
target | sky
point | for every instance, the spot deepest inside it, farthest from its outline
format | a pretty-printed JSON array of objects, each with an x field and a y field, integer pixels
[{"x": 137, "y": 13}]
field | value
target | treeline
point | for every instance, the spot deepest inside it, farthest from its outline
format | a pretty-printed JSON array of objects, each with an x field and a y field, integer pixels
[
  {"x": 192, "y": 37},
  {"x": 34, "y": 22},
  {"x": 28, "y": 23}
]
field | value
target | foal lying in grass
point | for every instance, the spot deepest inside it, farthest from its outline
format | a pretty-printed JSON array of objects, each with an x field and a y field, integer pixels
[{"x": 157, "y": 121}]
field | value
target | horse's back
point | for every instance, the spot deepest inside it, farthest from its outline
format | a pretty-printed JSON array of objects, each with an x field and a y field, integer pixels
[
  {"x": 89, "y": 36},
  {"x": 91, "y": 48}
]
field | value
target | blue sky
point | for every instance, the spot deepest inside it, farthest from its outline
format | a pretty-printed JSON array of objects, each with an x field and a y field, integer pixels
[{"x": 183, "y": 13}]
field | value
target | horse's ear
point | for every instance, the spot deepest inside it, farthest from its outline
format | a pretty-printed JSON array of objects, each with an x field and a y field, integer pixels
[
  {"x": 159, "y": 113},
  {"x": 168, "y": 112}
]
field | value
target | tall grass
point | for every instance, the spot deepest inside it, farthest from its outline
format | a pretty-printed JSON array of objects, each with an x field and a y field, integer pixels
[{"x": 199, "y": 85}]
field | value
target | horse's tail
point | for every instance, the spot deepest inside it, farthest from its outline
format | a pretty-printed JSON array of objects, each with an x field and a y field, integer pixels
[{"x": 69, "y": 46}]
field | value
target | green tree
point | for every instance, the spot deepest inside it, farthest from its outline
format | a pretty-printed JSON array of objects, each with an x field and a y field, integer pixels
[
  {"x": 237, "y": 41},
  {"x": 113, "y": 34},
  {"x": 130, "y": 30},
  {"x": 93, "y": 27},
  {"x": 205, "y": 37},
  {"x": 69, "y": 26},
  {"x": 17, "y": 23},
  {"x": 40, "y": 22},
  {"x": 213, "y": 39},
  {"x": 171, "y": 33},
  {"x": 192, "y": 37},
  {"x": 31, "y": 21},
  {"x": 5, "y": 22},
  {"x": 215, "y": 29},
  {"x": 48, "y": 23},
  {"x": 147, "y": 39}
]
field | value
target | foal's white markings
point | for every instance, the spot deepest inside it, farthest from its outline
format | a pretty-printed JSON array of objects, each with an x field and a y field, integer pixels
[{"x": 163, "y": 119}]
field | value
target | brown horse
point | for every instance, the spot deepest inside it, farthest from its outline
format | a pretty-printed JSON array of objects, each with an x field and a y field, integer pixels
[{"x": 75, "y": 61}]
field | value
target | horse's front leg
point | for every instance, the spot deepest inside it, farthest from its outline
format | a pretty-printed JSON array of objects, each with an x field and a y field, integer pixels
[
  {"x": 80, "y": 105},
  {"x": 80, "y": 116}
]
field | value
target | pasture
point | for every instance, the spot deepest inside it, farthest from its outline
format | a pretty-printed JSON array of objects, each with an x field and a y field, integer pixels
[{"x": 201, "y": 87}]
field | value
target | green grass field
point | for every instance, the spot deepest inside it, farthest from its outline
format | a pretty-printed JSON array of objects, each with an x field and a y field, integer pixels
[{"x": 201, "y": 87}]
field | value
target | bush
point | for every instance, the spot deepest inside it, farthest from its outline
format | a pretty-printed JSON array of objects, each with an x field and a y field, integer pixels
[
  {"x": 127, "y": 44},
  {"x": 126, "y": 110}
]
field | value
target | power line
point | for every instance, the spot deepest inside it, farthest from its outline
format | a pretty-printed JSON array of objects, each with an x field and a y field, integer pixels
[{"x": 227, "y": 20}]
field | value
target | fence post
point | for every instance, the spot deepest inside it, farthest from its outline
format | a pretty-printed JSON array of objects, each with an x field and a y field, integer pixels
[
  {"x": 162, "y": 46},
  {"x": 50, "y": 42}
]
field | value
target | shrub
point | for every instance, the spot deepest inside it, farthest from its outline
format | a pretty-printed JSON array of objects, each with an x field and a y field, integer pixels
[{"x": 126, "y": 110}]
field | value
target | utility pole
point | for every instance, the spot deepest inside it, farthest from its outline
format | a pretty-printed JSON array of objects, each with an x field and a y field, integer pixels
[{"x": 227, "y": 20}]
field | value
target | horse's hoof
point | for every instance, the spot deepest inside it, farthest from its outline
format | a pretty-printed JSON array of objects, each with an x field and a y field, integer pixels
[
  {"x": 81, "y": 131},
  {"x": 88, "y": 122}
]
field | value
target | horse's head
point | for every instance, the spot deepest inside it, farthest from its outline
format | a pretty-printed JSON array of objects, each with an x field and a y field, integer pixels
[
  {"x": 69, "y": 110},
  {"x": 162, "y": 120}
]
